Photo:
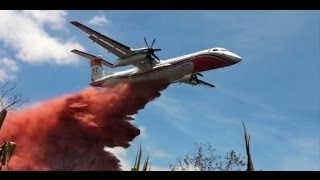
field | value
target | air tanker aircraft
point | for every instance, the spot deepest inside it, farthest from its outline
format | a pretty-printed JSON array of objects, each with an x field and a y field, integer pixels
[{"x": 182, "y": 69}]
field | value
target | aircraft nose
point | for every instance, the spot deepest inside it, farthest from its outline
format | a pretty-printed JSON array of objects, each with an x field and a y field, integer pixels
[{"x": 236, "y": 58}]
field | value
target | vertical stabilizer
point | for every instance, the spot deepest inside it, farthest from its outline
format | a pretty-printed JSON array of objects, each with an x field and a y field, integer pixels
[{"x": 96, "y": 69}]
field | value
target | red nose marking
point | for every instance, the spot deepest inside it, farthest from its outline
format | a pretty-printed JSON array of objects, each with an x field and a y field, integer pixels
[{"x": 208, "y": 63}]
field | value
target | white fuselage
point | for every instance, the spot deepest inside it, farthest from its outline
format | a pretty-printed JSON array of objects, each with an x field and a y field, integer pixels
[{"x": 173, "y": 69}]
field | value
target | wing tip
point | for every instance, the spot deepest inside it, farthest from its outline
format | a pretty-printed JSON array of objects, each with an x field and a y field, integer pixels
[
  {"x": 76, "y": 23},
  {"x": 211, "y": 85}
]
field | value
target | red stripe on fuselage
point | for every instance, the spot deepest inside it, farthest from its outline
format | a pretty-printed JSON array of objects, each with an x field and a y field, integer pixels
[
  {"x": 96, "y": 84},
  {"x": 209, "y": 63},
  {"x": 95, "y": 62},
  {"x": 203, "y": 62}
]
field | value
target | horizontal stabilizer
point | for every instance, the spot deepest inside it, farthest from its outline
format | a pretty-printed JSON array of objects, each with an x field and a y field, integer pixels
[{"x": 93, "y": 57}]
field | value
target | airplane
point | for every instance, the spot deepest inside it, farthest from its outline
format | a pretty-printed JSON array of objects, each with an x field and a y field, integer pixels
[{"x": 148, "y": 66}]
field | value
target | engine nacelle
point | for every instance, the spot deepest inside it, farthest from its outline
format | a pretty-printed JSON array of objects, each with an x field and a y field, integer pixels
[
  {"x": 186, "y": 77},
  {"x": 129, "y": 60},
  {"x": 190, "y": 78}
]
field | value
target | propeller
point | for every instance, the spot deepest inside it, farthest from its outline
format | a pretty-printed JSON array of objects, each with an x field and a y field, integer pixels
[{"x": 150, "y": 51}]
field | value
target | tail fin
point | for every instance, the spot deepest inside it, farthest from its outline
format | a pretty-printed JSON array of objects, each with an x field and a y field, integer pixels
[
  {"x": 96, "y": 69},
  {"x": 95, "y": 63}
]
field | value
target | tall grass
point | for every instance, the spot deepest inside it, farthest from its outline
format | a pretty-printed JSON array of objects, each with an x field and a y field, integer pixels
[
  {"x": 247, "y": 142},
  {"x": 138, "y": 160},
  {"x": 7, "y": 148},
  {"x": 250, "y": 166}
]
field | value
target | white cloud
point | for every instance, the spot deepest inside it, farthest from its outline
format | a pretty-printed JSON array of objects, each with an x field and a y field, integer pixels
[
  {"x": 24, "y": 32},
  {"x": 160, "y": 154},
  {"x": 307, "y": 142},
  {"x": 158, "y": 168},
  {"x": 3, "y": 102},
  {"x": 143, "y": 132},
  {"x": 8, "y": 69},
  {"x": 126, "y": 165},
  {"x": 294, "y": 162},
  {"x": 176, "y": 111},
  {"x": 28, "y": 105},
  {"x": 98, "y": 21},
  {"x": 121, "y": 154},
  {"x": 55, "y": 18}
]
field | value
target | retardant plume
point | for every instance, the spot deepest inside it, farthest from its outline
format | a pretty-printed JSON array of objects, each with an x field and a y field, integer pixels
[{"x": 70, "y": 132}]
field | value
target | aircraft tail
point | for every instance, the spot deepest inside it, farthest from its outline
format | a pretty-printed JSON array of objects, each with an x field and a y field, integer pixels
[
  {"x": 95, "y": 64},
  {"x": 96, "y": 69}
]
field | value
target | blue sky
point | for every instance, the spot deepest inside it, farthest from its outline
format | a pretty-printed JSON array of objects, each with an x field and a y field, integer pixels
[{"x": 274, "y": 89}]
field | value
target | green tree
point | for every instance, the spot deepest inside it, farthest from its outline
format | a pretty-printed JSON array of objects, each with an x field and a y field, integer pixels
[
  {"x": 206, "y": 159},
  {"x": 9, "y": 100}
]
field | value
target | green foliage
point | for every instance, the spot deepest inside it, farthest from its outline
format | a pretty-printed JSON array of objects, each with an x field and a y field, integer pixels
[
  {"x": 206, "y": 159},
  {"x": 6, "y": 151},
  {"x": 138, "y": 160},
  {"x": 247, "y": 142},
  {"x": 7, "y": 148},
  {"x": 8, "y": 100},
  {"x": 2, "y": 116}
]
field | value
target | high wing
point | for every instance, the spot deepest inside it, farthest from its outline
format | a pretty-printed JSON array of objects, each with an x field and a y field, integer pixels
[
  {"x": 111, "y": 45},
  {"x": 193, "y": 80},
  {"x": 92, "y": 57}
]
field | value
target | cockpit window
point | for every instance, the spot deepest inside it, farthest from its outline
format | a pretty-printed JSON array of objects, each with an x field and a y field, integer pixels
[{"x": 218, "y": 49}]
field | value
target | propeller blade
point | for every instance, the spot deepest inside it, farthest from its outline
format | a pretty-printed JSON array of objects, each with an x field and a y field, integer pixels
[
  {"x": 155, "y": 56},
  {"x": 152, "y": 43},
  {"x": 150, "y": 51},
  {"x": 145, "y": 40}
]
